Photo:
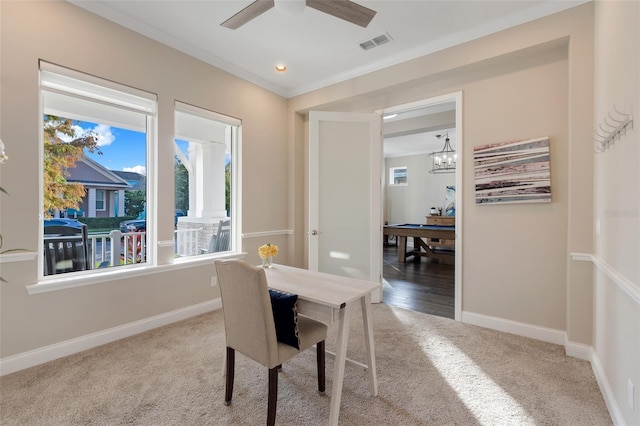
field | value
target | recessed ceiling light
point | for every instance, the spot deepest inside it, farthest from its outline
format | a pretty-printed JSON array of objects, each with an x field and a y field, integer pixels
[{"x": 281, "y": 68}]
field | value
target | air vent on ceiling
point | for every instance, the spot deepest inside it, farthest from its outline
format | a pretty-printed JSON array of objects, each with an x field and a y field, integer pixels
[{"x": 376, "y": 41}]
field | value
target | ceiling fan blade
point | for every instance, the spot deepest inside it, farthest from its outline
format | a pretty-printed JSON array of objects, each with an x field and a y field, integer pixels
[
  {"x": 256, "y": 8},
  {"x": 344, "y": 9}
]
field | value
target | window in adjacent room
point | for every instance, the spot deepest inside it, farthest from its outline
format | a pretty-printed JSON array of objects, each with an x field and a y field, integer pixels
[
  {"x": 205, "y": 170},
  {"x": 398, "y": 175},
  {"x": 97, "y": 144}
]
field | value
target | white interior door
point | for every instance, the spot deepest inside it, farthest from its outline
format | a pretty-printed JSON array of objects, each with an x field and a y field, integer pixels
[{"x": 345, "y": 210}]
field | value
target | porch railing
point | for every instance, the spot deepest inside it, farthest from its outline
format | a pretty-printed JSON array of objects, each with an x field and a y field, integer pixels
[
  {"x": 73, "y": 253},
  {"x": 132, "y": 247}
]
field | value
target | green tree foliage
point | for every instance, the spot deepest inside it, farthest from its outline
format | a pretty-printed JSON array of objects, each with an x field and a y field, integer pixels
[
  {"x": 59, "y": 157},
  {"x": 134, "y": 202},
  {"x": 181, "y": 177}
]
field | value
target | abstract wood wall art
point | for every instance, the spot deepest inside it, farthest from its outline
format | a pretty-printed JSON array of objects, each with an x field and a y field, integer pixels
[{"x": 513, "y": 172}]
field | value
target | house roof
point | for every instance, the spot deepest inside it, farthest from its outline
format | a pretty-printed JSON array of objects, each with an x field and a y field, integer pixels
[
  {"x": 136, "y": 180},
  {"x": 90, "y": 173}
]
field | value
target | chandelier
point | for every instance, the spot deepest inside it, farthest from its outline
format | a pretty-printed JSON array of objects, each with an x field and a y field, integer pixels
[{"x": 444, "y": 161}]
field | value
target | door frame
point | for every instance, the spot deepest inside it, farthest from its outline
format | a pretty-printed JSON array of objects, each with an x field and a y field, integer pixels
[{"x": 455, "y": 97}]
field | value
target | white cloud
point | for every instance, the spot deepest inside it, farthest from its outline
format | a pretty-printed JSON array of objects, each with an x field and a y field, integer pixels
[
  {"x": 103, "y": 134},
  {"x": 66, "y": 138},
  {"x": 138, "y": 169}
]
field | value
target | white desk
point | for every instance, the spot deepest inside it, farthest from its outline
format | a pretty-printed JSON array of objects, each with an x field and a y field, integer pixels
[{"x": 329, "y": 298}]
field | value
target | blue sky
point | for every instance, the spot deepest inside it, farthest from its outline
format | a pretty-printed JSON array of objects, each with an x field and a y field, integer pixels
[{"x": 122, "y": 150}]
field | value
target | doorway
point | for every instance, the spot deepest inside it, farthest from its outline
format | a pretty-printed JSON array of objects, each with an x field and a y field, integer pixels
[{"x": 420, "y": 190}]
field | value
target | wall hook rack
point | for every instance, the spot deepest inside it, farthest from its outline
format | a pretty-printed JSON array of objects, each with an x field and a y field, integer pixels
[{"x": 611, "y": 129}]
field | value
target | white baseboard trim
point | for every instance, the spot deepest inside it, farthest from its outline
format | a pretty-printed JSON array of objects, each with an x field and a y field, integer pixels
[
  {"x": 607, "y": 392},
  {"x": 44, "y": 354},
  {"x": 549, "y": 335},
  {"x": 577, "y": 350}
]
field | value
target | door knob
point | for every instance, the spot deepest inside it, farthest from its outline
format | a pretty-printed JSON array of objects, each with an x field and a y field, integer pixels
[{"x": 314, "y": 232}]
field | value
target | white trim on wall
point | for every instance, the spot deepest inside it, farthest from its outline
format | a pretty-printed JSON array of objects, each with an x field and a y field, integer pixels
[
  {"x": 21, "y": 256},
  {"x": 267, "y": 233},
  {"x": 38, "y": 356},
  {"x": 622, "y": 282},
  {"x": 544, "y": 334},
  {"x": 607, "y": 391}
]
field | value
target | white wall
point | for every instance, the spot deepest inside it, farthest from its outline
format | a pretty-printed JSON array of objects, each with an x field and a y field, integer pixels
[
  {"x": 411, "y": 203},
  {"x": 617, "y": 207},
  {"x": 529, "y": 81},
  {"x": 64, "y": 34}
]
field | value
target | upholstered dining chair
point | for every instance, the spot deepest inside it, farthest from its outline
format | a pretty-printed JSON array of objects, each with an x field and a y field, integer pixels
[{"x": 252, "y": 313}]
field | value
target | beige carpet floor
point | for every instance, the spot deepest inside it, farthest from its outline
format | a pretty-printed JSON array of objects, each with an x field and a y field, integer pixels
[{"x": 431, "y": 371}]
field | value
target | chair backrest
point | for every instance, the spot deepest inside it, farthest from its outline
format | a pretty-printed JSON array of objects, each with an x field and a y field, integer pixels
[
  {"x": 221, "y": 240},
  {"x": 66, "y": 249},
  {"x": 248, "y": 317}
]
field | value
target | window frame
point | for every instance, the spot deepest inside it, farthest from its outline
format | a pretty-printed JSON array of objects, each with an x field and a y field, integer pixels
[
  {"x": 235, "y": 202},
  {"x": 103, "y": 200},
  {"x": 84, "y": 89},
  {"x": 392, "y": 176}
]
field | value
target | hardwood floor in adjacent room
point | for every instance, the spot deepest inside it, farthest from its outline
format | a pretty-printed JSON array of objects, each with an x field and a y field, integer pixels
[{"x": 426, "y": 286}]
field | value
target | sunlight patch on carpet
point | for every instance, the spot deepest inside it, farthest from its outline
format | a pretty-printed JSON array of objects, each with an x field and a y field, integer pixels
[{"x": 485, "y": 399}]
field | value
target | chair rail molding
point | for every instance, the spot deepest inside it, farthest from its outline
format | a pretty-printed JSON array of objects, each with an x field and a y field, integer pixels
[
  {"x": 632, "y": 290},
  {"x": 21, "y": 256},
  {"x": 267, "y": 233}
]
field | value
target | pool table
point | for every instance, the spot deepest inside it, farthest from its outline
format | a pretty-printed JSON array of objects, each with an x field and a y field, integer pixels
[{"x": 420, "y": 232}]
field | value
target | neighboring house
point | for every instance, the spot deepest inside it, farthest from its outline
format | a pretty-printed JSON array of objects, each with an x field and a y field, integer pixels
[
  {"x": 105, "y": 189},
  {"x": 137, "y": 181}
]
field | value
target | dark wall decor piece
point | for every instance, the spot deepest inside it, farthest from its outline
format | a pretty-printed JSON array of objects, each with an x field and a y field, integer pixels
[{"x": 513, "y": 172}]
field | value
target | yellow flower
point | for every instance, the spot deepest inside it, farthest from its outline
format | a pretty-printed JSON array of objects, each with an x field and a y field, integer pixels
[{"x": 267, "y": 250}]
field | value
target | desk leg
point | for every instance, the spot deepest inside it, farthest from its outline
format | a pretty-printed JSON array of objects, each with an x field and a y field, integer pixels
[
  {"x": 367, "y": 319},
  {"x": 338, "y": 368}
]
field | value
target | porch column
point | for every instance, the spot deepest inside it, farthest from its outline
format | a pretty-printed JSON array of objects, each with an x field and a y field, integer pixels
[
  {"x": 206, "y": 181},
  {"x": 91, "y": 202},
  {"x": 120, "y": 203},
  {"x": 213, "y": 180},
  {"x": 195, "y": 155}
]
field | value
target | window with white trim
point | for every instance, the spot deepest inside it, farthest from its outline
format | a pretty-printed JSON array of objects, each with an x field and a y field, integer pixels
[
  {"x": 100, "y": 206},
  {"x": 205, "y": 170},
  {"x": 97, "y": 143},
  {"x": 398, "y": 175}
]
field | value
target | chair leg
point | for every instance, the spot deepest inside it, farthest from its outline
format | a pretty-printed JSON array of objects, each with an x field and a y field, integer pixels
[
  {"x": 320, "y": 357},
  {"x": 228, "y": 393},
  {"x": 273, "y": 396}
]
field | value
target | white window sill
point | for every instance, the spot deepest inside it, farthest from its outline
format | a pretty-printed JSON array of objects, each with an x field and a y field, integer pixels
[{"x": 66, "y": 281}]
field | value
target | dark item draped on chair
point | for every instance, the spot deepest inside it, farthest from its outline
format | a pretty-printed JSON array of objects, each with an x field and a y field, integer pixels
[{"x": 250, "y": 328}]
